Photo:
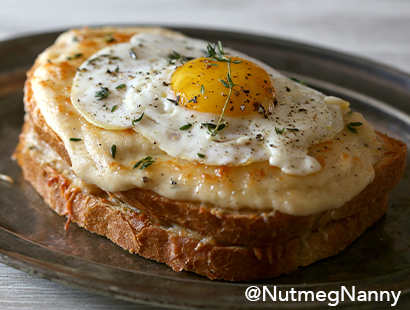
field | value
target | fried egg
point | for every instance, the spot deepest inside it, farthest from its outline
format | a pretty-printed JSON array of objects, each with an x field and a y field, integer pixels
[{"x": 168, "y": 90}]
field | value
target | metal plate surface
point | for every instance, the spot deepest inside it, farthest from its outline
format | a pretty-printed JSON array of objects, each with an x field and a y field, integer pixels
[{"x": 33, "y": 239}]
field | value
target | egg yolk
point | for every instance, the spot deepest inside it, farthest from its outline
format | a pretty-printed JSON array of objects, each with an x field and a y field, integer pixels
[{"x": 198, "y": 87}]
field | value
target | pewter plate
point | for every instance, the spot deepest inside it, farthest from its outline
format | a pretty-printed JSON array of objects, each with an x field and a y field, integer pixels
[{"x": 32, "y": 236}]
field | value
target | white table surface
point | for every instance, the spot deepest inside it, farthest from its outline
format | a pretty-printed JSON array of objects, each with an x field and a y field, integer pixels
[{"x": 375, "y": 29}]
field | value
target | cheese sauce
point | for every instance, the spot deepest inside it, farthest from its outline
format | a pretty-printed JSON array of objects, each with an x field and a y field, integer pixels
[{"x": 346, "y": 160}]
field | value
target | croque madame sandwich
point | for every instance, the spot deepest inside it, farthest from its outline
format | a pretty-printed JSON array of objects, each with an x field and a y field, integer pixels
[{"x": 198, "y": 156}]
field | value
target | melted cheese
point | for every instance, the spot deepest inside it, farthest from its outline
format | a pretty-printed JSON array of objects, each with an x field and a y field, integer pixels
[{"x": 346, "y": 160}]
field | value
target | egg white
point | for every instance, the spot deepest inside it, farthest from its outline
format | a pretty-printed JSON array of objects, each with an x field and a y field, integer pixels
[{"x": 142, "y": 65}]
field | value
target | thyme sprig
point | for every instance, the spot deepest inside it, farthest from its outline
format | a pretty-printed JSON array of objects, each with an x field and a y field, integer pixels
[
  {"x": 102, "y": 94},
  {"x": 221, "y": 57}
]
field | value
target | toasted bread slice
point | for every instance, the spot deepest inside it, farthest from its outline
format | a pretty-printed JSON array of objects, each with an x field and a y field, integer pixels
[{"x": 182, "y": 249}]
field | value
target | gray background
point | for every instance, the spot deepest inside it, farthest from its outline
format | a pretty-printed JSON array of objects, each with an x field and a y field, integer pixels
[{"x": 375, "y": 29}]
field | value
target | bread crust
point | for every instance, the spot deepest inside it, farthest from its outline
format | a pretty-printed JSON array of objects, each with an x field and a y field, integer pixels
[{"x": 138, "y": 233}]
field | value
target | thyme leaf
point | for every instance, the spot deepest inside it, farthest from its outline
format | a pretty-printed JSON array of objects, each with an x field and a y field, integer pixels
[
  {"x": 220, "y": 126},
  {"x": 110, "y": 57},
  {"x": 109, "y": 38},
  {"x": 279, "y": 131},
  {"x": 174, "y": 56},
  {"x": 351, "y": 129},
  {"x": 138, "y": 119},
  {"x": 113, "y": 150},
  {"x": 173, "y": 101},
  {"x": 212, "y": 127},
  {"x": 299, "y": 81},
  {"x": 74, "y": 57},
  {"x": 146, "y": 162},
  {"x": 224, "y": 83},
  {"x": 351, "y": 125},
  {"x": 185, "y": 127}
]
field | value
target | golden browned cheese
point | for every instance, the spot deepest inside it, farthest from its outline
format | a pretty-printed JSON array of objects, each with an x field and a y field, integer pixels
[{"x": 347, "y": 160}]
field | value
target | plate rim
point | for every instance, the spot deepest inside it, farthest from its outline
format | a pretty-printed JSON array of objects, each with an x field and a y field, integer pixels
[{"x": 252, "y": 36}]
